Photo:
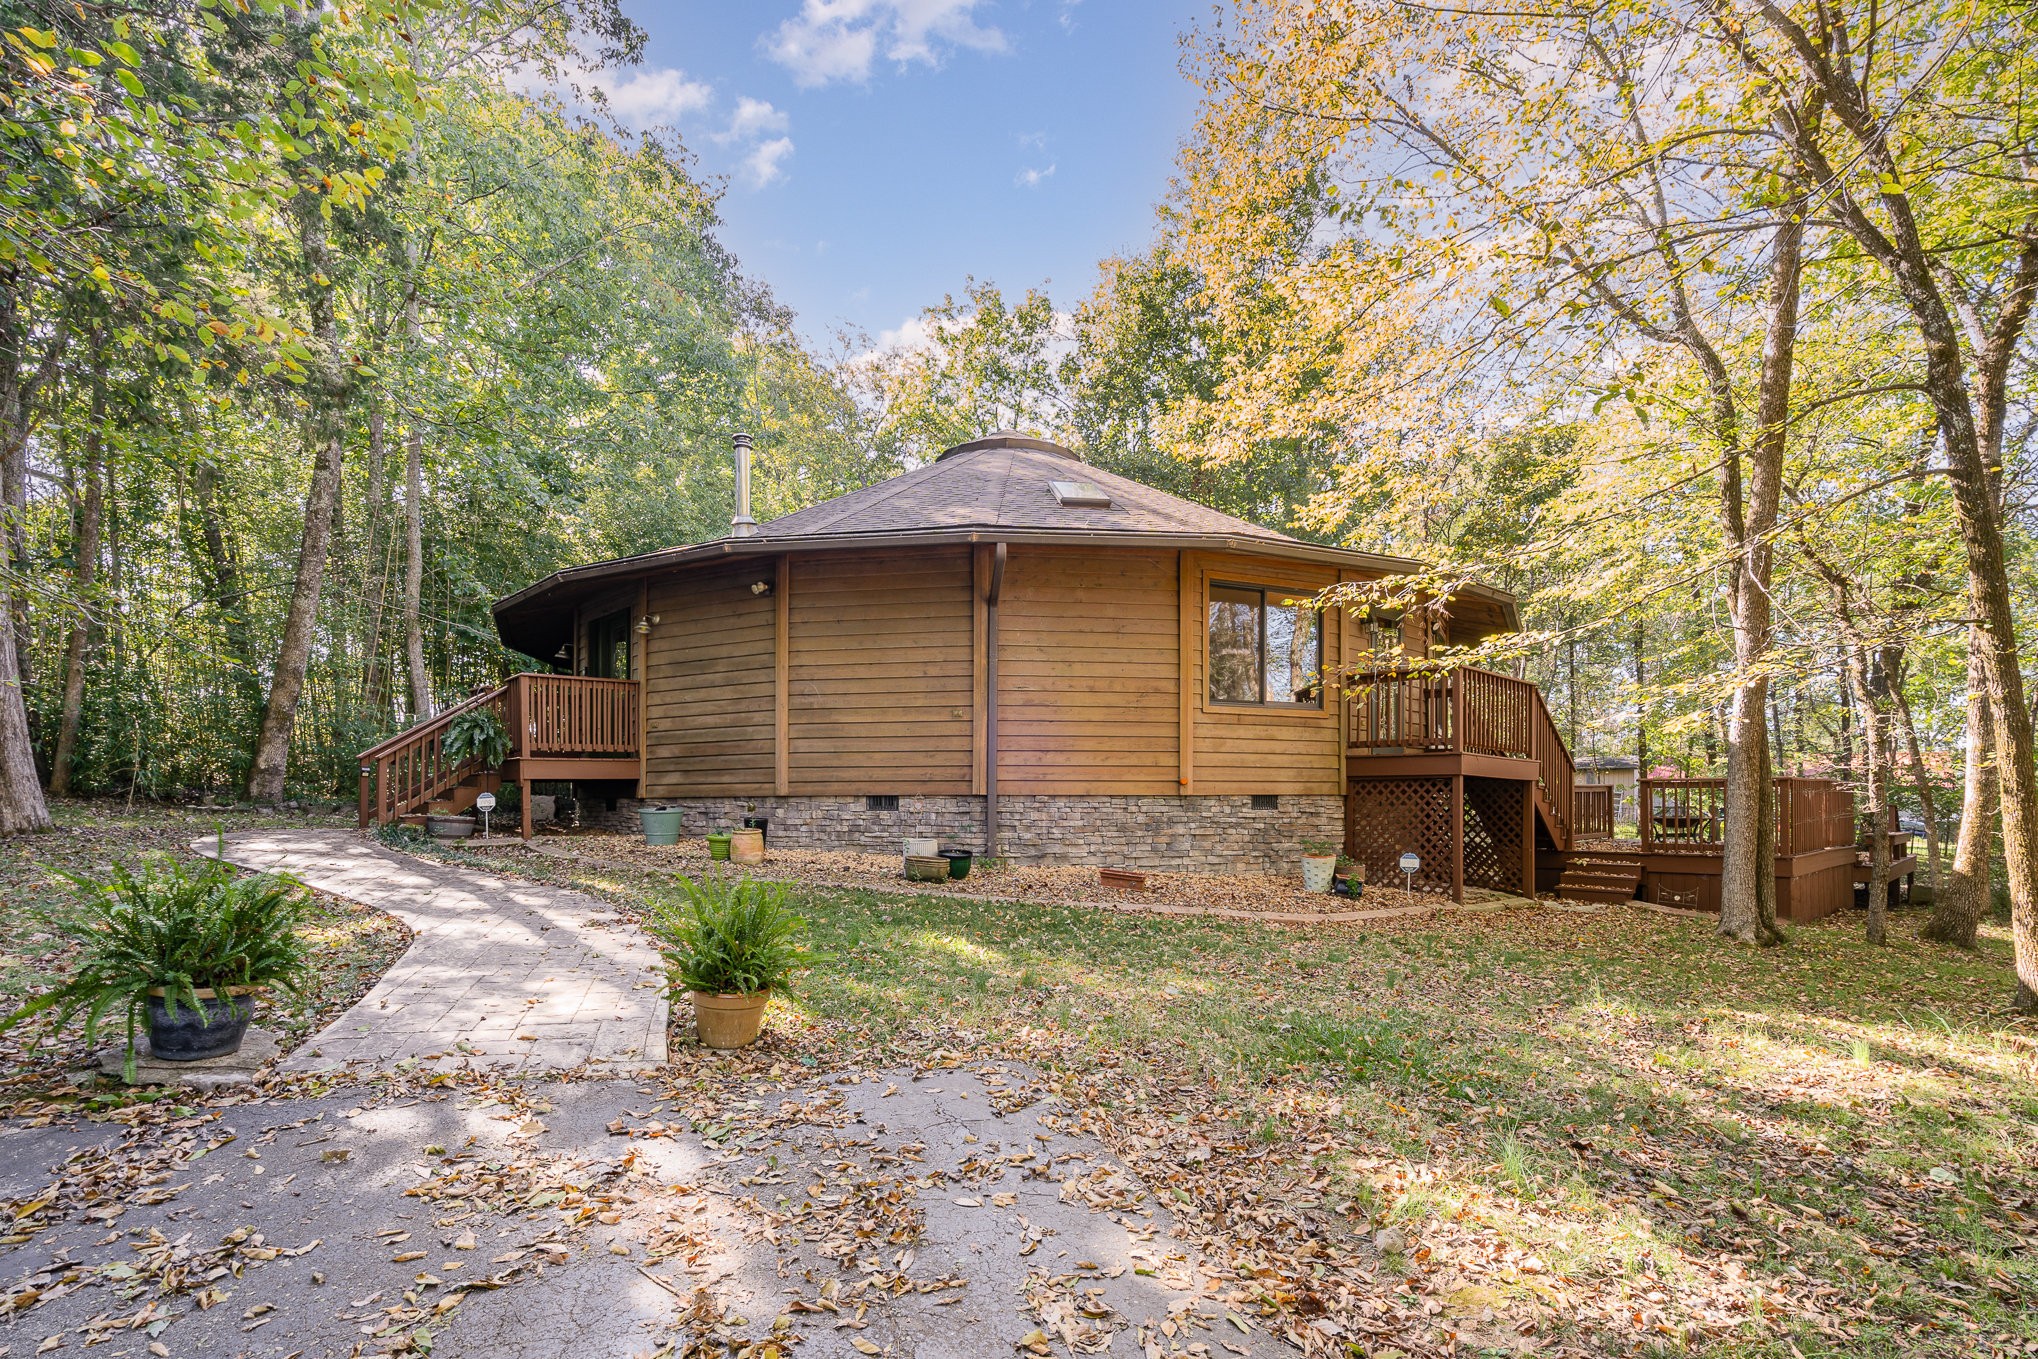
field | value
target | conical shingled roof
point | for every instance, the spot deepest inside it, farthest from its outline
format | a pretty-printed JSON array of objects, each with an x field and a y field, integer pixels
[
  {"x": 995, "y": 489},
  {"x": 1003, "y": 481}
]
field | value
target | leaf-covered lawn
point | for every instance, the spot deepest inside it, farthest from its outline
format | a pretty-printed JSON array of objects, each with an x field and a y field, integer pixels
[
  {"x": 351, "y": 945},
  {"x": 1520, "y": 1130}
]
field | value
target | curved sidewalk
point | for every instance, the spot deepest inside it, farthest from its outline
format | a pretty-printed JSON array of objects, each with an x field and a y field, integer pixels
[{"x": 504, "y": 975}]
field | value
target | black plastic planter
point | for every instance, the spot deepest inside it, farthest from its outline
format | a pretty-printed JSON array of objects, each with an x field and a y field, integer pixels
[{"x": 214, "y": 1029}]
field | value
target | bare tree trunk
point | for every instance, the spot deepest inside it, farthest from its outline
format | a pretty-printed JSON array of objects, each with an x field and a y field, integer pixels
[
  {"x": 1957, "y": 911},
  {"x": 22, "y": 807},
  {"x": 414, "y": 577},
  {"x": 1875, "y": 780},
  {"x": 325, "y": 434},
  {"x": 374, "y": 678},
  {"x": 414, "y": 522},
  {"x": 1747, "y": 879},
  {"x": 1921, "y": 781},
  {"x": 85, "y": 576}
]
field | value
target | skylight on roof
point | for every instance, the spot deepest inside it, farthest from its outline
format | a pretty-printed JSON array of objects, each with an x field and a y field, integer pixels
[{"x": 1080, "y": 495}]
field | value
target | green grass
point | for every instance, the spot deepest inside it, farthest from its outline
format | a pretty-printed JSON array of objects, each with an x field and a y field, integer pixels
[
  {"x": 1644, "y": 1110},
  {"x": 1824, "y": 1149}
]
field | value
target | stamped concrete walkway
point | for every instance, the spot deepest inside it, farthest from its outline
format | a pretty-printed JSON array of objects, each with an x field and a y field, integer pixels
[{"x": 504, "y": 975}]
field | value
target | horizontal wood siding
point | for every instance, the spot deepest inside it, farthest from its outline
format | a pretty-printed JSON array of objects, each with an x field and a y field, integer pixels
[
  {"x": 1088, "y": 672},
  {"x": 1284, "y": 750},
  {"x": 882, "y": 673},
  {"x": 710, "y": 685}
]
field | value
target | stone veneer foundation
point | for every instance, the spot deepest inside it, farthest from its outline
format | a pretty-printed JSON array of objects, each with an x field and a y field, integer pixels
[{"x": 1223, "y": 834}]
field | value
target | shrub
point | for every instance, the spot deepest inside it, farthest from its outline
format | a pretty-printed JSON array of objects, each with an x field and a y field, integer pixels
[
  {"x": 180, "y": 927},
  {"x": 1321, "y": 848},
  {"x": 729, "y": 937}
]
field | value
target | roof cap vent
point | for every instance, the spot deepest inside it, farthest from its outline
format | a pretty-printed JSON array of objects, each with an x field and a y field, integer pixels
[{"x": 1009, "y": 438}]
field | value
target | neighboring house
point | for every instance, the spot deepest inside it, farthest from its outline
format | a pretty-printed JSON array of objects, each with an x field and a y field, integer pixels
[
  {"x": 1024, "y": 655},
  {"x": 1615, "y": 771}
]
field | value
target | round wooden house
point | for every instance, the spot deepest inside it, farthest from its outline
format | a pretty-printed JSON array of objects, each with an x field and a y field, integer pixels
[{"x": 1007, "y": 649}]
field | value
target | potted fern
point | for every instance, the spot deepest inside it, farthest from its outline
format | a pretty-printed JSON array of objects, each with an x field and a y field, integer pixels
[
  {"x": 181, "y": 949},
  {"x": 477, "y": 736},
  {"x": 729, "y": 943}
]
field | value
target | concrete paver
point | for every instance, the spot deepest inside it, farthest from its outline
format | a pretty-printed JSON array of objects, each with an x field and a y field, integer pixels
[{"x": 485, "y": 948}]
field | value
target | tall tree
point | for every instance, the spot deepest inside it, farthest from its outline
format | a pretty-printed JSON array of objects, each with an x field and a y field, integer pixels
[{"x": 1904, "y": 92}]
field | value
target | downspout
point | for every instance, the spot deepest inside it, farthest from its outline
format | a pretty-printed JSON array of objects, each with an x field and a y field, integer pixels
[{"x": 991, "y": 701}]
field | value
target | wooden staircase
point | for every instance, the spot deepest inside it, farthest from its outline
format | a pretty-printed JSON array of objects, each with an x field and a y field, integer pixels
[
  {"x": 566, "y": 727},
  {"x": 409, "y": 775},
  {"x": 1590, "y": 876}
]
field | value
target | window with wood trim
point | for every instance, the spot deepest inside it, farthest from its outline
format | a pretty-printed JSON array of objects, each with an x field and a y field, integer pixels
[{"x": 1266, "y": 648}]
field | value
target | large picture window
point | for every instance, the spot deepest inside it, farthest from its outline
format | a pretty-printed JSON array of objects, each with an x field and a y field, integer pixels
[{"x": 1263, "y": 650}]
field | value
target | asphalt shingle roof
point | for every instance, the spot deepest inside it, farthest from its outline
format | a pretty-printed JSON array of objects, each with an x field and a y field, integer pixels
[{"x": 1002, "y": 482}]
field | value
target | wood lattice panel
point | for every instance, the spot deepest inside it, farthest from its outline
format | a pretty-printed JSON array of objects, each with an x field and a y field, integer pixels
[
  {"x": 1384, "y": 817},
  {"x": 1493, "y": 833}
]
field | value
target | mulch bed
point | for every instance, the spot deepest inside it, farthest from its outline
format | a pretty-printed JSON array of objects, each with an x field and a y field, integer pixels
[{"x": 1219, "y": 894}]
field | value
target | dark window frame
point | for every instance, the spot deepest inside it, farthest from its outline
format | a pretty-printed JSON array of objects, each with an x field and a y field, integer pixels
[
  {"x": 606, "y": 633},
  {"x": 1267, "y": 593}
]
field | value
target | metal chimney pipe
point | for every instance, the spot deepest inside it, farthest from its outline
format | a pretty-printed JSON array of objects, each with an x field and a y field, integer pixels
[{"x": 741, "y": 525}]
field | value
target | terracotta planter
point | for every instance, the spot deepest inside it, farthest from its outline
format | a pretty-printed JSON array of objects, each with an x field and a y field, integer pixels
[
  {"x": 1317, "y": 871},
  {"x": 746, "y": 846},
  {"x": 728, "y": 1021}
]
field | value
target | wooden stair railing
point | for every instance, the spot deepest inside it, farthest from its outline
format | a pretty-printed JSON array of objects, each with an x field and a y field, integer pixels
[
  {"x": 406, "y": 772},
  {"x": 1556, "y": 784}
]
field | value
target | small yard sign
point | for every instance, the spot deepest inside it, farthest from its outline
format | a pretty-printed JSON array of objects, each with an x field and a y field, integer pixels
[
  {"x": 1411, "y": 864},
  {"x": 486, "y": 804}
]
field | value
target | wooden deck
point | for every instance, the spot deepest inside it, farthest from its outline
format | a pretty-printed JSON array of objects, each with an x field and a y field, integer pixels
[
  {"x": 1465, "y": 768},
  {"x": 560, "y": 726},
  {"x": 1678, "y": 854}
]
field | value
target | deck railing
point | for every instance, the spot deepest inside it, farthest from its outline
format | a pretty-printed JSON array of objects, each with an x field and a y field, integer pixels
[
  {"x": 1811, "y": 814},
  {"x": 1478, "y": 712},
  {"x": 1592, "y": 809},
  {"x": 1399, "y": 709},
  {"x": 546, "y": 715},
  {"x": 572, "y": 715}
]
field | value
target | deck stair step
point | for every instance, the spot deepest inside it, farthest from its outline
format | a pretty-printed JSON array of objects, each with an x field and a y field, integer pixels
[{"x": 1597, "y": 879}]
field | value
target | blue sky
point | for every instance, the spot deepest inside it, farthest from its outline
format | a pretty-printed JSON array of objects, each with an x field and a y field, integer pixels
[{"x": 880, "y": 152}]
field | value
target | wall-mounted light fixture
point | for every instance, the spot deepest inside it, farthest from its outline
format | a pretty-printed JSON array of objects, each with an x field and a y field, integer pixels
[
  {"x": 760, "y": 588},
  {"x": 644, "y": 623}
]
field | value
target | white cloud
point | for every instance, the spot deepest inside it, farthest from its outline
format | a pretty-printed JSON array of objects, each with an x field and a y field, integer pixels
[
  {"x": 761, "y": 166},
  {"x": 1030, "y": 177},
  {"x": 911, "y": 335},
  {"x": 638, "y": 97},
  {"x": 830, "y": 40},
  {"x": 754, "y": 118}
]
